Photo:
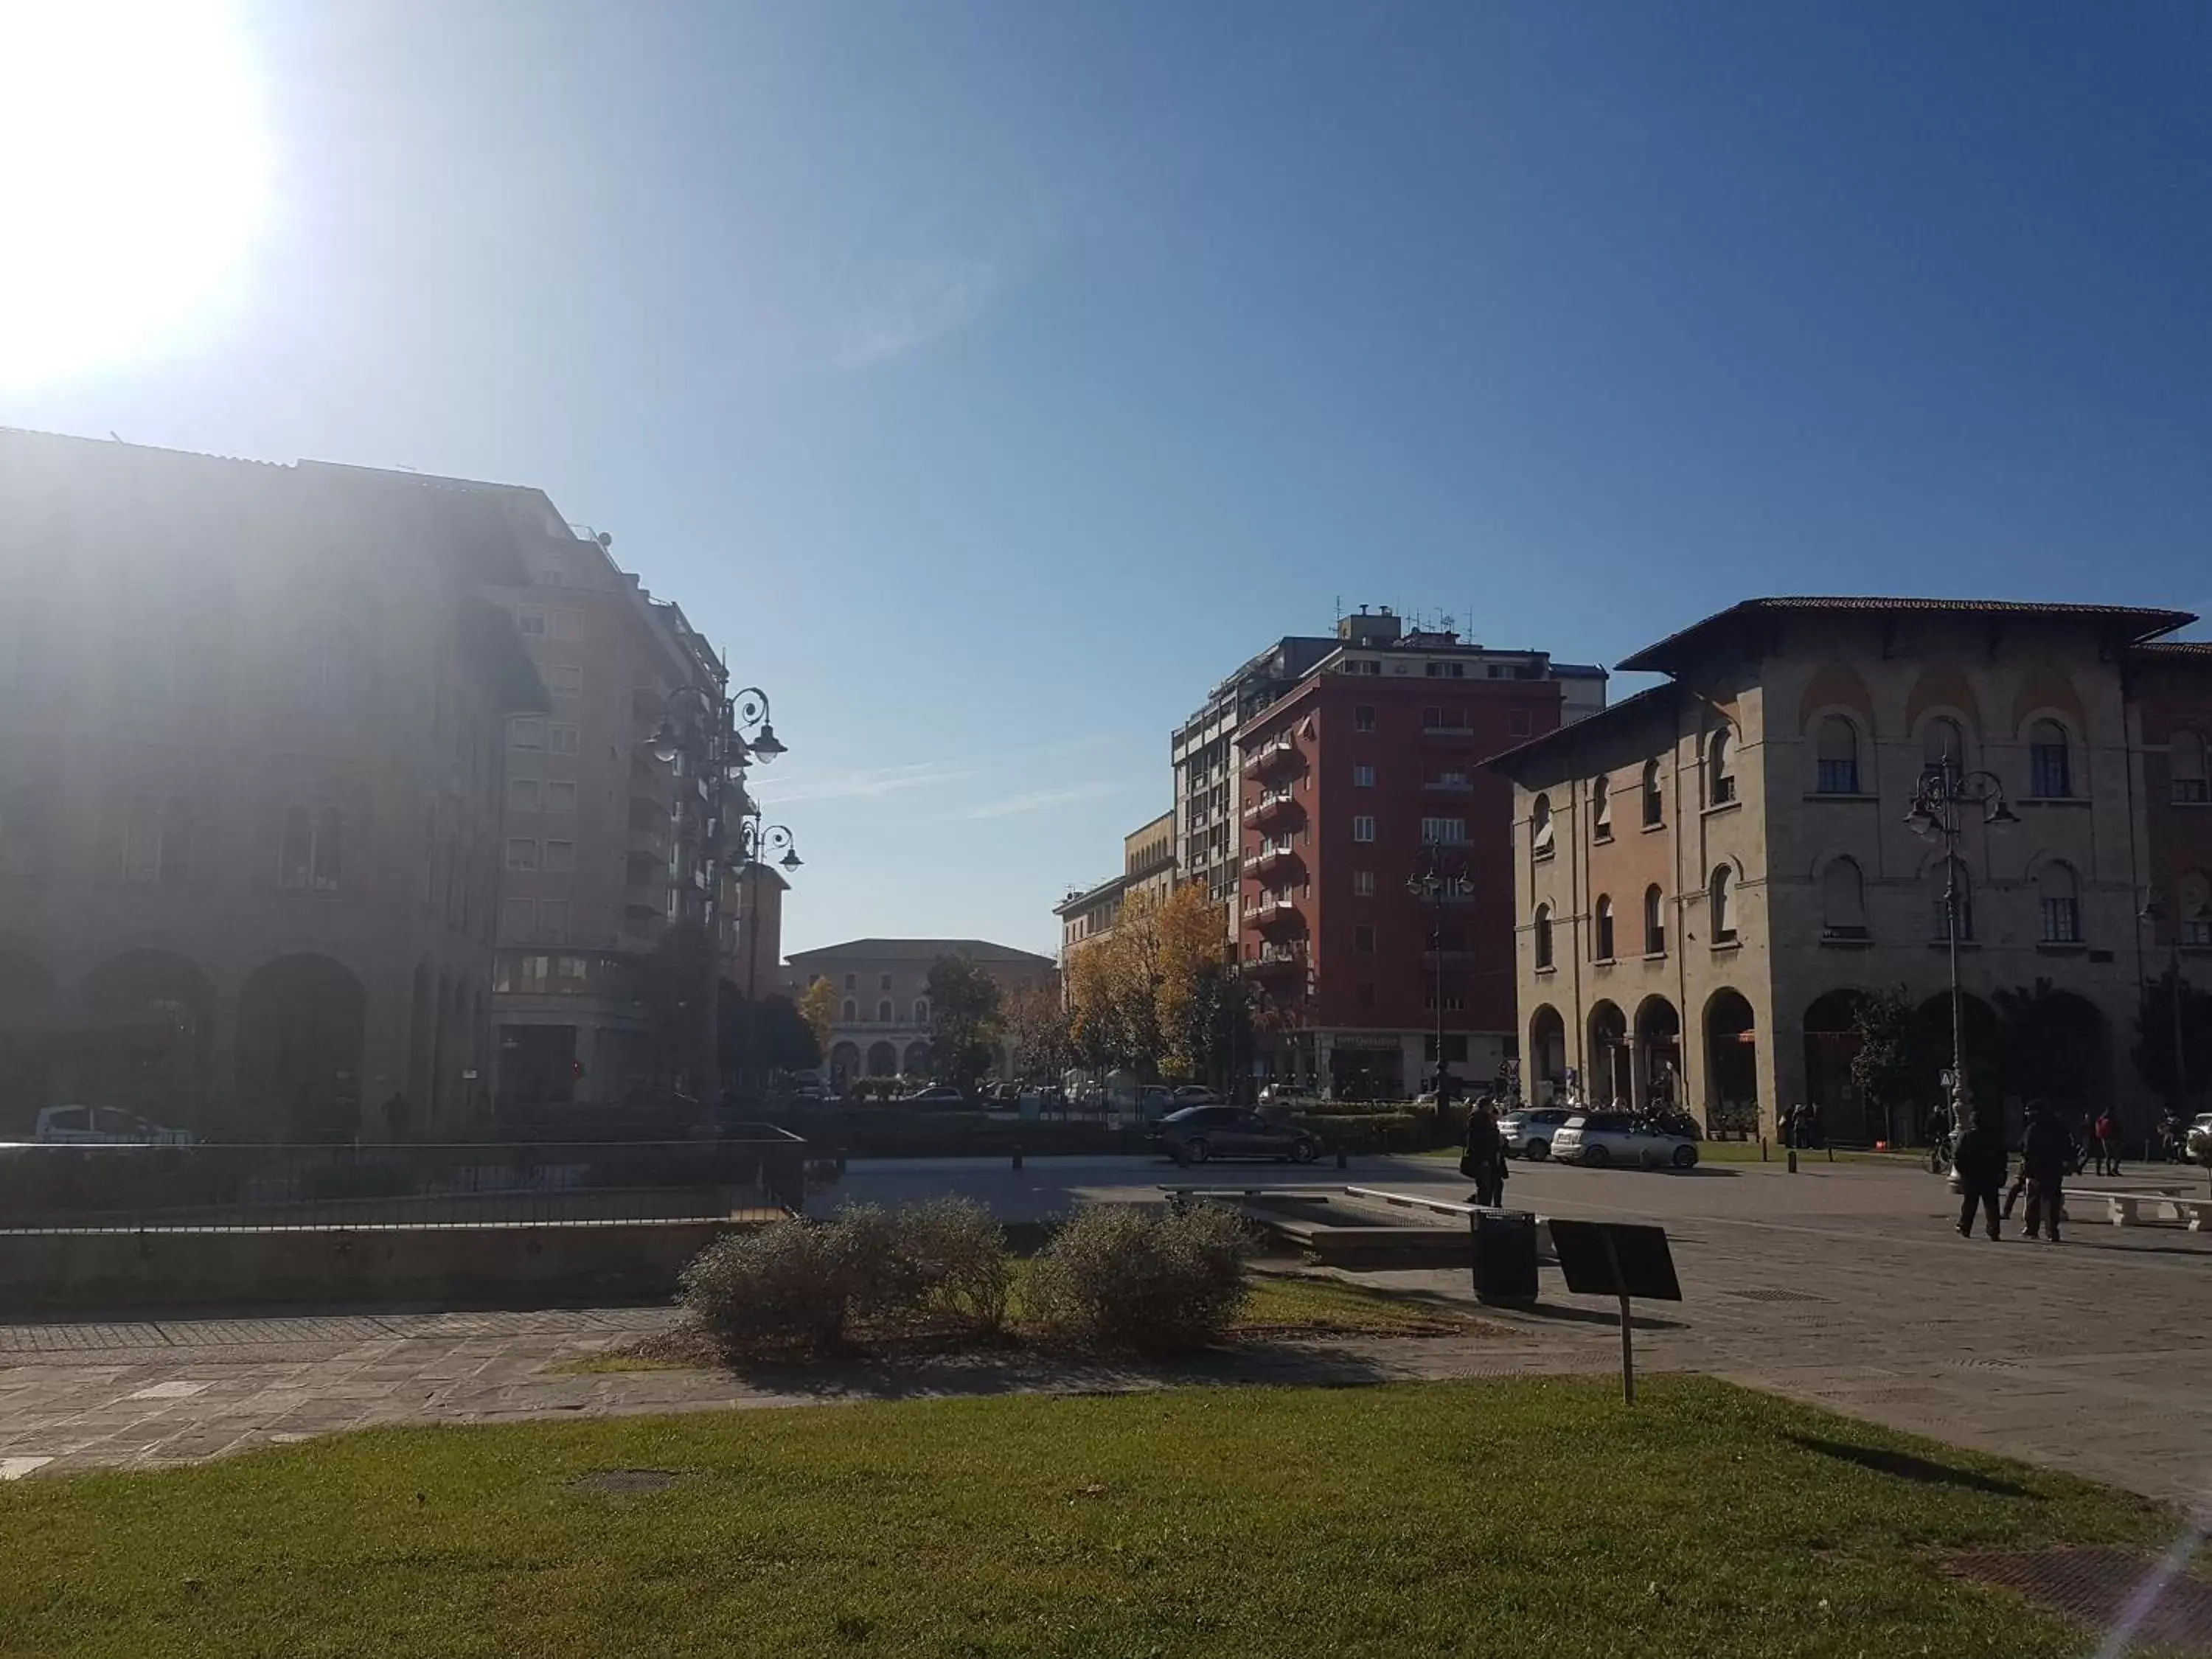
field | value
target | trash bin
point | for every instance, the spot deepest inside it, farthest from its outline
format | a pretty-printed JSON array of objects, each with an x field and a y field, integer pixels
[{"x": 1504, "y": 1257}]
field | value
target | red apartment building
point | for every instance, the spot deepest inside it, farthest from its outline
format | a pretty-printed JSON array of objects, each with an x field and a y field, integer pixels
[
  {"x": 2170, "y": 698},
  {"x": 1366, "y": 774}
]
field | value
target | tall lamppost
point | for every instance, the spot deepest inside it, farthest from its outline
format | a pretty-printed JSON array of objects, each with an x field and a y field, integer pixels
[
  {"x": 1437, "y": 886},
  {"x": 755, "y": 846},
  {"x": 2154, "y": 913},
  {"x": 1940, "y": 802}
]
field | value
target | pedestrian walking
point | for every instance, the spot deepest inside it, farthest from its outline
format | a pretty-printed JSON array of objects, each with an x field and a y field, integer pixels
[
  {"x": 1484, "y": 1161},
  {"x": 2044, "y": 1156},
  {"x": 2108, "y": 1143},
  {"x": 1979, "y": 1166}
]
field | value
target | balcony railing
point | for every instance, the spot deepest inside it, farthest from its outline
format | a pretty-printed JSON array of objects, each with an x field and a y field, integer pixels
[
  {"x": 1448, "y": 785},
  {"x": 1448, "y": 733},
  {"x": 1277, "y": 960},
  {"x": 1268, "y": 860},
  {"x": 1271, "y": 911},
  {"x": 1274, "y": 755},
  {"x": 1275, "y": 804}
]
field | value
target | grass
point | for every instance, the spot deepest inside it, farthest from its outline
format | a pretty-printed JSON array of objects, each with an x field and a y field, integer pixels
[{"x": 1475, "y": 1519}]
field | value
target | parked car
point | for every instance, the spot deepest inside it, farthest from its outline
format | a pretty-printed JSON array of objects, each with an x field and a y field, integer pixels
[
  {"x": 2198, "y": 1141},
  {"x": 1198, "y": 1134},
  {"x": 1596, "y": 1139},
  {"x": 937, "y": 1095},
  {"x": 1196, "y": 1094},
  {"x": 102, "y": 1126},
  {"x": 1285, "y": 1097},
  {"x": 1528, "y": 1133}
]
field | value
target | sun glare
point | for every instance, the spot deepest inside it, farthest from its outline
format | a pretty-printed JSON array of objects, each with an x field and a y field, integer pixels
[{"x": 133, "y": 172}]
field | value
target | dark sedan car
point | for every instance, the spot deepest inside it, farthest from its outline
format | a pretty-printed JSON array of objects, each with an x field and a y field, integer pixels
[{"x": 1198, "y": 1134}]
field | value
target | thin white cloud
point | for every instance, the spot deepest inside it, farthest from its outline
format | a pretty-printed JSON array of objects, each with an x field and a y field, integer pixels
[
  {"x": 1041, "y": 800},
  {"x": 870, "y": 784},
  {"x": 923, "y": 301}
]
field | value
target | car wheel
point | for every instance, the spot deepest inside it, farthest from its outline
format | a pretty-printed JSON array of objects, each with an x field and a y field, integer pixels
[
  {"x": 1196, "y": 1151},
  {"x": 1537, "y": 1150},
  {"x": 1594, "y": 1157},
  {"x": 1685, "y": 1157},
  {"x": 1304, "y": 1151}
]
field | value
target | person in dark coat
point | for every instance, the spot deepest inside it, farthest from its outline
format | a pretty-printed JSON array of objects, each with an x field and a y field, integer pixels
[
  {"x": 2045, "y": 1155},
  {"x": 1484, "y": 1162},
  {"x": 1979, "y": 1163}
]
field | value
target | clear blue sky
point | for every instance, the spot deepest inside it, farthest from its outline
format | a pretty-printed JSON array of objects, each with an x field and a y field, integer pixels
[{"x": 990, "y": 378}]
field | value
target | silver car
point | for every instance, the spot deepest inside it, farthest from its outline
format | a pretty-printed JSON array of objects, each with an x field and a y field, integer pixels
[
  {"x": 1528, "y": 1133},
  {"x": 1594, "y": 1139}
]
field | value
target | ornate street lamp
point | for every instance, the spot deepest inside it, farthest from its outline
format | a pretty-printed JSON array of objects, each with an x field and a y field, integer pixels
[
  {"x": 1940, "y": 801},
  {"x": 1437, "y": 886}
]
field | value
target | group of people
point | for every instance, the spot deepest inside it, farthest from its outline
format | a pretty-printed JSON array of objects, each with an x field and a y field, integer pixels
[{"x": 2048, "y": 1154}]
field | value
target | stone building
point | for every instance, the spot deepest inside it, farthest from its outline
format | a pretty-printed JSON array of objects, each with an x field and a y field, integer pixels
[
  {"x": 1148, "y": 866},
  {"x": 882, "y": 1027},
  {"x": 251, "y": 775},
  {"x": 1711, "y": 874}
]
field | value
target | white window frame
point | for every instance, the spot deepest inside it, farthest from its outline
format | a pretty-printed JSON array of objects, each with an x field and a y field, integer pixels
[
  {"x": 562, "y": 737},
  {"x": 526, "y": 732},
  {"x": 521, "y": 861},
  {"x": 561, "y": 786},
  {"x": 1363, "y": 828}
]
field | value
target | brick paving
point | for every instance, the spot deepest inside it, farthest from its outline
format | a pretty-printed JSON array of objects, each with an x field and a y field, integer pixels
[{"x": 1843, "y": 1285}]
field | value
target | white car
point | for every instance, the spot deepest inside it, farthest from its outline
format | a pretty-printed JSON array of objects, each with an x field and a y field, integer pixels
[
  {"x": 102, "y": 1126},
  {"x": 1594, "y": 1139}
]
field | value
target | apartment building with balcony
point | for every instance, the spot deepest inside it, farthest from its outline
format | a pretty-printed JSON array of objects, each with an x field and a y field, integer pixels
[
  {"x": 882, "y": 1026},
  {"x": 600, "y": 840},
  {"x": 1362, "y": 775},
  {"x": 1712, "y": 874},
  {"x": 251, "y": 778}
]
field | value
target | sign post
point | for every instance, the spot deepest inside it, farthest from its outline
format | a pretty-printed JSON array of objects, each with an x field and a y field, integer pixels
[{"x": 1622, "y": 1259}]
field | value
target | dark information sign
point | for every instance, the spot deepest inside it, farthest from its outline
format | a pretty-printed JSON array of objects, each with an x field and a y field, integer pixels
[{"x": 1616, "y": 1258}]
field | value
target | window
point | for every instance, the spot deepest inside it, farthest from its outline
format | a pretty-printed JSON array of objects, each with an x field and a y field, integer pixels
[
  {"x": 1836, "y": 749},
  {"x": 1939, "y": 908},
  {"x": 1365, "y": 994},
  {"x": 2050, "y": 775},
  {"x": 851, "y": 982},
  {"x": 530, "y": 621},
  {"x": 564, "y": 680},
  {"x": 157, "y": 845},
  {"x": 1455, "y": 1001},
  {"x": 1720, "y": 768},
  {"x": 2196, "y": 908},
  {"x": 1724, "y": 901},
  {"x": 567, "y": 624},
  {"x": 1517, "y": 723},
  {"x": 1602, "y": 809},
  {"x": 1363, "y": 939},
  {"x": 883, "y": 1011},
  {"x": 521, "y": 854},
  {"x": 1363, "y": 718},
  {"x": 560, "y": 856},
  {"x": 553, "y": 921},
  {"x": 1543, "y": 936},
  {"x": 325, "y": 681},
  {"x": 1842, "y": 900},
  {"x": 1363, "y": 776},
  {"x": 524, "y": 795},
  {"x": 1363, "y": 828},
  {"x": 851, "y": 1012},
  {"x": 1942, "y": 744},
  {"x": 1540, "y": 827},
  {"x": 1363, "y": 884},
  {"x": 1444, "y": 720},
  {"x": 1655, "y": 921},
  {"x": 922, "y": 1011},
  {"x": 560, "y": 796},
  {"x": 561, "y": 740},
  {"x": 2185, "y": 757},
  {"x": 1601, "y": 930},
  {"x": 1443, "y": 832},
  {"x": 883, "y": 981},
  {"x": 2062, "y": 904},
  {"x": 526, "y": 734},
  {"x": 518, "y": 920},
  {"x": 311, "y": 858}
]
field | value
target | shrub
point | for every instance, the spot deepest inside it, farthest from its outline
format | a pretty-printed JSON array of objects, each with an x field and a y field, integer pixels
[
  {"x": 956, "y": 1261},
  {"x": 783, "y": 1286},
  {"x": 1120, "y": 1277}
]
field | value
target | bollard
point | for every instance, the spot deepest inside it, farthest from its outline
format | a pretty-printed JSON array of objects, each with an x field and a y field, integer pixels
[
  {"x": 1762, "y": 1149},
  {"x": 1832, "y": 1154},
  {"x": 1339, "y": 1155},
  {"x": 1017, "y": 1155},
  {"x": 1792, "y": 1160}
]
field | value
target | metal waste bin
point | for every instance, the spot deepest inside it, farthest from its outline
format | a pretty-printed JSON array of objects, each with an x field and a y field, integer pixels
[{"x": 1504, "y": 1257}]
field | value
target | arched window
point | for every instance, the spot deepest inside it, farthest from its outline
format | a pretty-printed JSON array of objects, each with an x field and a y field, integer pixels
[
  {"x": 1942, "y": 744},
  {"x": 883, "y": 1011},
  {"x": 326, "y": 671},
  {"x": 1655, "y": 804},
  {"x": 1602, "y": 809},
  {"x": 1939, "y": 908},
  {"x": 2051, "y": 775},
  {"x": 1720, "y": 767},
  {"x": 1837, "y": 746},
  {"x": 157, "y": 845},
  {"x": 1601, "y": 929},
  {"x": 2195, "y": 907},
  {"x": 851, "y": 1012},
  {"x": 922, "y": 1011},
  {"x": 1540, "y": 827},
  {"x": 1842, "y": 900},
  {"x": 2185, "y": 756},
  {"x": 1543, "y": 936},
  {"x": 1724, "y": 899},
  {"x": 1655, "y": 921},
  {"x": 2062, "y": 903}
]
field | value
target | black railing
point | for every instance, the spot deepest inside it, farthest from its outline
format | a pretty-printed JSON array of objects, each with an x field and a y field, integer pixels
[{"x": 757, "y": 1173}]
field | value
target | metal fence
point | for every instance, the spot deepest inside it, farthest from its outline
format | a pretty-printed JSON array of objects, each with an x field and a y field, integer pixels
[{"x": 757, "y": 1173}]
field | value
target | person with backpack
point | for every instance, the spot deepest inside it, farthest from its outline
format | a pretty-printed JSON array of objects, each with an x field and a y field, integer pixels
[{"x": 2107, "y": 1131}]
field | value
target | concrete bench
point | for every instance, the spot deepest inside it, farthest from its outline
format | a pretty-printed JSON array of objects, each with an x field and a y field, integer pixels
[{"x": 2129, "y": 1209}]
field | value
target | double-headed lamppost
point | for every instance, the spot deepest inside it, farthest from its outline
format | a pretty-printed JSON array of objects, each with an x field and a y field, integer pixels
[
  {"x": 1438, "y": 886},
  {"x": 1940, "y": 802},
  {"x": 724, "y": 733}
]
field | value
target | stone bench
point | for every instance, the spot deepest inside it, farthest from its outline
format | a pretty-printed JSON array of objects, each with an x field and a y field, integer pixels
[{"x": 2127, "y": 1209}]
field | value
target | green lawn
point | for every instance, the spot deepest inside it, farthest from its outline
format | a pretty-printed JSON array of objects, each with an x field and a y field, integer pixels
[{"x": 1522, "y": 1518}]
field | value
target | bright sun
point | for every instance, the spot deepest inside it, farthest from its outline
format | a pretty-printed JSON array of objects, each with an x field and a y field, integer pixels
[{"x": 133, "y": 174}]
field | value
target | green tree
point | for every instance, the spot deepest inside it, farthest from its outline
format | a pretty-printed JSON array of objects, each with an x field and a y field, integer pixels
[
  {"x": 2153, "y": 1045},
  {"x": 1886, "y": 1024},
  {"x": 964, "y": 1020},
  {"x": 1035, "y": 1021},
  {"x": 817, "y": 1005},
  {"x": 2050, "y": 1046},
  {"x": 773, "y": 1028}
]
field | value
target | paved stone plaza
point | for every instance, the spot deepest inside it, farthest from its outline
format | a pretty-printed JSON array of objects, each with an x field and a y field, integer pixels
[{"x": 1843, "y": 1285}]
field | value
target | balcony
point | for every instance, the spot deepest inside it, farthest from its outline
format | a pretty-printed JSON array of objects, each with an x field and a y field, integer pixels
[
  {"x": 1272, "y": 807},
  {"x": 1272, "y": 910},
  {"x": 1276, "y": 755},
  {"x": 1451, "y": 783},
  {"x": 1278, "y": 961},
  {"x": 1268, "y": 860},
  {"x": 1440, "y": 732},
  {"x": 1450, "y": 957}
]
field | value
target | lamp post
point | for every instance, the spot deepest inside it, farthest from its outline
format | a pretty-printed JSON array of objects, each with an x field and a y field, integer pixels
[
  {"x": 1435, "y": 885},
  {"x": 722, "y": 732},
  {"x": 2154, "y": 913},
  {"x": 755, "y": 846},
  {"x": 1940, "y": 802}
]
